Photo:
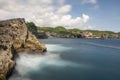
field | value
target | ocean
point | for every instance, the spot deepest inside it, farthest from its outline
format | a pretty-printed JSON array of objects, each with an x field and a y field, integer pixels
[{"x": 71, "y": 59}]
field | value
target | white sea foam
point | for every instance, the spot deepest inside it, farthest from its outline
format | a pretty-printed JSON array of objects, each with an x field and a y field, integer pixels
[
  {"x": 27, "y": 62},
  {"x": 56, "y": 47}
]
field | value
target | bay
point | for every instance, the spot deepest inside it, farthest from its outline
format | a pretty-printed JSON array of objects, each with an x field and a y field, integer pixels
[{"x": 72, "y": 59}]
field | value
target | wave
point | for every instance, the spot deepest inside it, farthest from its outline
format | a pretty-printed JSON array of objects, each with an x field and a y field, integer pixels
[
  {"x": 27, "y": 63},
  {"x": 36, "y": 62},
  {"x": 33, "y": 62},
  {"x": 56, "y": 47}
]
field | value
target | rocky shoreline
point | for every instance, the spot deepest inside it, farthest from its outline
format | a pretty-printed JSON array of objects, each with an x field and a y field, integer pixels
[
  {"x": 83, "y": 35},
  {"x": 61, "y": 32},
  {"x": 14, "y": 38}
]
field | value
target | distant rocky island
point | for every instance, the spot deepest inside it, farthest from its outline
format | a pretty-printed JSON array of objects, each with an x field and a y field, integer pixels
[
  {"x": 15, "y": 37},
  {"x": 61, "y": 32}
]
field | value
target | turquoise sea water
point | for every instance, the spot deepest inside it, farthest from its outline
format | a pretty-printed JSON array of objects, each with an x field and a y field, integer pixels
[{"x": 72, "y": 59}]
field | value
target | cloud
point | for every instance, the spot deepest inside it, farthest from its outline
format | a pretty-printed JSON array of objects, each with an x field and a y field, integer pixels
[
  {"x": 89, "y": 1},
  {"x": 85, "y": 18},
  {"x": 61, "y": 2},
  {"x": 43, "y": 12},
  {"x": 64, "y": 9}
]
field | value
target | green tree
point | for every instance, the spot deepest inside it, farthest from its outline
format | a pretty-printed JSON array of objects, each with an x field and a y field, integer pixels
[
  {"x": 61, "y": 30},
  {"x": 32, "y": 27}
]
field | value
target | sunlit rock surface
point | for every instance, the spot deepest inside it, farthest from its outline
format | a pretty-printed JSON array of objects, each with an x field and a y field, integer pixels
[{"x": 14, "y": 37}]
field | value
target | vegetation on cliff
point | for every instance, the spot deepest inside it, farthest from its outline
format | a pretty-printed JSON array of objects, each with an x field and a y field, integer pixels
[{"x": 32, "y": 28}]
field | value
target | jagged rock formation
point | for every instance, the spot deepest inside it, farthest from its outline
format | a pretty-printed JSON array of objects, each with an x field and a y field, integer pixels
[{"x": 14, "y": 37}]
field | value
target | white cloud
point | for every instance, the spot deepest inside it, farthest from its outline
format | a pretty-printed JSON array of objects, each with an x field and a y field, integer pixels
[
  {"x": 61, "y": 2},
  {"x": 85, "y": 18},
  {"x": 42, "y": 12},
  {"x": 89, "y": 1},
  {"x": 64, "y": 9}
]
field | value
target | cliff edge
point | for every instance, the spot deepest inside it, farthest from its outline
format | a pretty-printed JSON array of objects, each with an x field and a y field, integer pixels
[{"x": 15, "y": 37}]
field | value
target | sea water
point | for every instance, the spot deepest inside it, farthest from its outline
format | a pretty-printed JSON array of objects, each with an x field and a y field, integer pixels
[{"x": 71, "y": 59}]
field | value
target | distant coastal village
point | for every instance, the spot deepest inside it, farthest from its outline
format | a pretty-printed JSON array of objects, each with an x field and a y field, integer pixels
[{"x": 61, "y": 32}]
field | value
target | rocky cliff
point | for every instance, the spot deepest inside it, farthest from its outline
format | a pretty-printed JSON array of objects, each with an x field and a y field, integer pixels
[{"x": 14, "y": 37}]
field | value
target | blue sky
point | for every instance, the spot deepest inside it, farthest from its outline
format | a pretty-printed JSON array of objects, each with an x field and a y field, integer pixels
[
  {"x": 82, "y": 14},
  {"x": 104, "y": 14}
]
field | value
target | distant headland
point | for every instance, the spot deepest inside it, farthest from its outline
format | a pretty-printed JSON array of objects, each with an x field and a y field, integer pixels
[{"x": 61, "y": 32}]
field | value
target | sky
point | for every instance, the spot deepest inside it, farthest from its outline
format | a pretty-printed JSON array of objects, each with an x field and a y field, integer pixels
[{"x": 81, "y": 14}]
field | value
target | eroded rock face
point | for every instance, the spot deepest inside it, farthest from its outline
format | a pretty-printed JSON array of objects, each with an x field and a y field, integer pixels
[{"x": 14, "y": 37}]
